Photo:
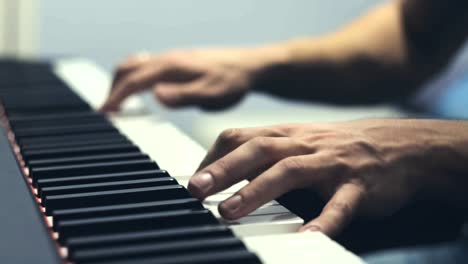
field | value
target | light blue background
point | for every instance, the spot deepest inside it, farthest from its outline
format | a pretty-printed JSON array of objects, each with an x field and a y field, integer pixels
[{"x": 109, "y": 30}]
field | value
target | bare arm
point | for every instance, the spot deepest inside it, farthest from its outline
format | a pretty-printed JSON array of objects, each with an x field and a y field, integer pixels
[{"x": 385, "y": 55}]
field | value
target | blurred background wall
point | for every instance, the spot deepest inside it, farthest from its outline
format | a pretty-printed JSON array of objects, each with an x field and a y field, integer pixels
[{"x": 109, "y": 30}]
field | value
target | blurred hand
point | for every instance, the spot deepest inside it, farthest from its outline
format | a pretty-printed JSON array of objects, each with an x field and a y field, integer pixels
[
  {"x": 361, "y": 168},
  {"x": 209, "y": 78}
]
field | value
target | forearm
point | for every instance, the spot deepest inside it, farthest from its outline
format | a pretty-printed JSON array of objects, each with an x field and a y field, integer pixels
[{"x": 380, "y": 57}]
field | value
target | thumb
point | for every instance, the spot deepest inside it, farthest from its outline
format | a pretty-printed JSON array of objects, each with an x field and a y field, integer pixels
[{"x": 338, "y": 212}]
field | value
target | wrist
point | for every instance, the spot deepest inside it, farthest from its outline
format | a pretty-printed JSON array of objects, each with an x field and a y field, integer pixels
[
  {"x": 266, "y": 57},
  {"x": 288, "y": 64},
  {"x": 442, "y": 171},
  {"x": 270, "y": 64}
]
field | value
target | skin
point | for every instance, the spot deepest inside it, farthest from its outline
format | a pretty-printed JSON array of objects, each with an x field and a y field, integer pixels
[{"x": 364, "y": 168}]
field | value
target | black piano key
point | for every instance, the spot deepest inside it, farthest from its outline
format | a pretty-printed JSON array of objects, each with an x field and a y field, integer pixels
[
  {"x": 134, "y": 222},
  {"x": 157, "y": 249},
  {"x": 78, "y": 151},
  {"x": 18, "y": 89},
  {"x": 46, "y": 111},
  {"x": 63, "y": 130},
  {"x": 17, "y": 81},
  {"x": 91, "y": 168},
  {"x": 121, "y": 176},
  {"x": 41, "y": 100},
  {"x": 23, "y": 124},
  {"x": 87, "y": 159},
  {"x": 165, "y": 235},
  {"x": 43, "y": 103},
  {"x": 58, "y": 124},
  {"x": 55, "y": 202},
  {"x": 55, "y": 116},
  {"x": 106, "y": 186},
  {"x": 125, "y": 209},
  {"x": 67, "y": 138},
  {"x": 12, "y": 93},
  {"x": 78, "y": 143},
  {"x": 26, "y": 78},
  {"x": 240, "y": 256}
]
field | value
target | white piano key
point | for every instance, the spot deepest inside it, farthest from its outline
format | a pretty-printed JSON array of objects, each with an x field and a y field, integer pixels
[
  {"x": 270, "y": 209},
  {"x": 183, "y": 179},
  {"x": 214, "y": 200},
  {"x": 236, "y": 187},
  {"x": 265, "y": 209},
  {"x": 264, "y": 225},
  {"x": 231, "y": 190},
  {"x": 299, "y": 248},
  {"x": 269, "y": 218},
  {"x": 174, "y": 151}
]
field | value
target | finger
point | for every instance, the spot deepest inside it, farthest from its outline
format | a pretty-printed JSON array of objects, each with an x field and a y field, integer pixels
[
  {"x": 132, "y": 64},
  {"x": 133, "y": 83},
  {"x": 338, "y": 212},
  {"x": 286, "y": 175},
  {"x": 245, "y": 162},
  {"x": 230, "y": 139}
]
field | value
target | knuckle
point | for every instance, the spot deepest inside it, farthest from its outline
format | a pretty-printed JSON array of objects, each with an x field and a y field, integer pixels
[
  {"x": 172, "y": 57},
  {"x": 208, "y": 94},
  {"x": 292, "y": 165},
  {"x": 364, "y": 145},
  {"x": 121, "y": 68},
  {"x": 343, "y": 166},
  {"x": 263, "y": 145},
  {"x": 230, "y": 136},
  {"x": 220, "y": 168},
  {"x": 286, "y": 129},
  {"x": 342, "y": 208},
  {"x": 275, "y": 131},
  {"x": 131, "y": 81},
  {"x": 248, "y": 194}
]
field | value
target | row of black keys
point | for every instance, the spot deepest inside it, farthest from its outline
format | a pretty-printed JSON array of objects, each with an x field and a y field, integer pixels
[
  {"x": 109, "y": 201},
  {"x": 33, "y": 88}
]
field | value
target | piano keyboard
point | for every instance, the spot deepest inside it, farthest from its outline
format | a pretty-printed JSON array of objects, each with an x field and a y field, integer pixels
[{"x": 101, "y": 185}]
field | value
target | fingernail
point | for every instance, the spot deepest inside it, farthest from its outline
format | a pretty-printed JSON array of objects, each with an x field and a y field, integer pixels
[
  {"x": 232, "y": 204},
  {"x": 203, "y": 181},
  {"x": 312, "y": 228}
]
